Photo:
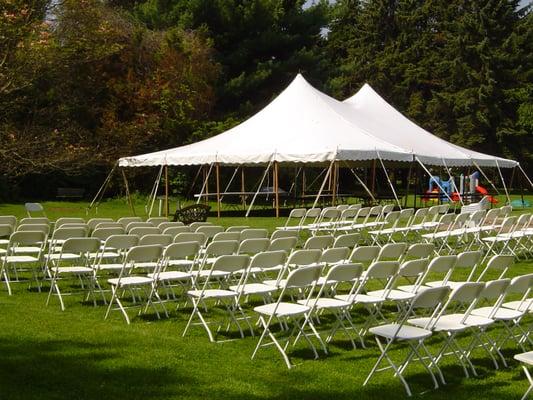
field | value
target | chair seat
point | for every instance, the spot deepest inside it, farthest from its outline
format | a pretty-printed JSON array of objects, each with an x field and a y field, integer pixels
[
  {"x": 395, "y": 295},
  {"x": 130, "y": 281},
  {"x": 212, "y": 293},
  {"x": 361, "y": 298},
  {"x": 502, "y": 314},
  {"x": 283, "y": 309},
  {"x": 404, "y": 332},
  {"x": 75, "y": 270},
  {"x": 181, "y": 263},
  {"x": 105, "y": 254},
  {"x": 172, "y": 276},
  {"x": 26, "y": 249},
  {"x": 110, "y": 267},
  {"x": 451, "y": 284},
  {"x": 519, "y": 305},
  {"x": 326, "y": 303},
  {"x": 526, "y": 358},
  {"x": 254, "y": 288},
  {"x": 214, "y": 274},
  {"x": 19, "y": 259},
  {"x": 275, "y": 283},
  {"x": 64, "y": 256},
  {"x": 453, "y": 322}
]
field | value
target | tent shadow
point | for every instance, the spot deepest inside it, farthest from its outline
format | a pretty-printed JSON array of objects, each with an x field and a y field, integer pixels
[{"x": 74, "y": 369}]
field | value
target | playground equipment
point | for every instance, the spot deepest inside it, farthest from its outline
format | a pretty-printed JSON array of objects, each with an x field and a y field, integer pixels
[{"x": 444, "y": 190}]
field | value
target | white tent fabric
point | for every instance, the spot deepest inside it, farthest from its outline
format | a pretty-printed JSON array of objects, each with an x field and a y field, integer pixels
[
  {"x": 373, "y": 114},
  {"x": 301, "y": 125}
]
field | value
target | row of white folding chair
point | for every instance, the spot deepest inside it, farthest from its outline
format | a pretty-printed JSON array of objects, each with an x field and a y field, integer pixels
[
  {"x": 446, "y": 321},
  {"x": 301, "y": 218},
  {"x": 515, "y": 236}
]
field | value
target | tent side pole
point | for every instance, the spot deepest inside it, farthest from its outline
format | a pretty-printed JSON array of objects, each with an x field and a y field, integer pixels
[
  {"x": 503, "y": 182},
  {"x": 243, "y": 196},
  {"x": 525, "y": 175},
  {"x": 101, "y": 191},
  {"x": 128, "y": 195},
  {"x": 258, "y": 189},
  {"x": 217, "y": 172},
  {"x": 323, "y": 183},
  {"x": 417, "y": 182},
  {"x": 276, "y": 187},
  {"x": 438, "y": 184},
  {"x": 373, "y": 177},
  {"x": 166, "y": 191}
]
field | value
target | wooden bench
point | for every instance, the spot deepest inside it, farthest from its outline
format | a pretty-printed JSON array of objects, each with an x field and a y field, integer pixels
[
  {"x": 70, "y": 193},
  {"x": 192, "y": 213}
]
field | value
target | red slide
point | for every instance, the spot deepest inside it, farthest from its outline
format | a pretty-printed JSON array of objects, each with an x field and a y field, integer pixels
[{"x": 484, "y": 192}]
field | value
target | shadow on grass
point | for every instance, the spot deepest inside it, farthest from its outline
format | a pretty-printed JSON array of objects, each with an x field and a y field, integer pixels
[{"x": 78, "y": 370}]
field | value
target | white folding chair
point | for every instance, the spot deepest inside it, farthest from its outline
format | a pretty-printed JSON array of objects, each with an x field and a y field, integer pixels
[
  {"x": 442, "y": 265},
  {"x": 255, "y": 233},
  {"x": 124, "y": 221},
  {"x": 386, "y": 335},
  {"x": 294, "y": 220},
  {"x": 466, "y": 261},
  {"x": 526, "y": 358},
  {"x": 219, "y": 295},
  {"x": 80, "y": 266},
  {"x": 499, "y": 264},
  {"x": 253, "y": 246},
  {"x": 298, "y": 280},
  {"x": 128, "y": 281},
  {"x": 287, "y": 244},
  {"x": 319, "y": 242},
  {"x": 392, "y": 251}
]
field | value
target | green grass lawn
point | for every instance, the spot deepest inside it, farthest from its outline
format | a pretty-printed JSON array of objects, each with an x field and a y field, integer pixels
[{"x": 49, "y": 354}]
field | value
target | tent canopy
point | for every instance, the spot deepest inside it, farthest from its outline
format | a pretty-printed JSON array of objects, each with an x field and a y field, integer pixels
[
  {"x": 301, "y": 125},
  {"x": 304, "y": 125},
  {"x": 372, "y": 113}
]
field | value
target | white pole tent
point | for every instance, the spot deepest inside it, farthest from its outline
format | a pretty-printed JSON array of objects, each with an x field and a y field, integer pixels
[{"x": 301, "y": 125}]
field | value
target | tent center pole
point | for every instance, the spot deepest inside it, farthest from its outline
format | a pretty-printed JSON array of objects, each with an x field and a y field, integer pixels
[
  {"x": 243, "y": 197},
  {"x": 335, "y": 178},
  {"x": 373, "y": 177},
  {"x": 166, "y": 192}
]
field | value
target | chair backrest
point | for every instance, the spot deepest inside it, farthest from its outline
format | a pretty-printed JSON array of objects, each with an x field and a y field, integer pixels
[
  {"x": 319, "y": 242},
  {"x": 66, "y": 233},
  {"x": 174, "y": 230},
  {"x": 34, "y": 208},
  {"x": 413, "y": 268},
  {"x": 507, "y": 225},
  {"x": 209, "y": 230},
  {"x": 104, "y": 233},
  {"x": 405, "y": 215},
  {"x": 93, "y": 222},
  {"x": 382, "y": 270},
  {"x": 124, "y": 221},
  {"x": 419, "y": 216},
  {"x": 419, "y": 250},
  {"x": 100, "y": 225},
  {"x": 254, "y": 233},
  {"x": 222, "y": 247},
  {"x": 155, "y": 221},
  {"x": 160, "y": 239},
  {"x": 121, "y": 242},
  {"x": 304, "y": 257},
  {"x": 34, "y": 227},
  {"x": 391, "y": 218},
  {"x": 364, "y": 254},
  {"x": 444, "y": 208},
  {"x": 141, "y": 254},
  {"x": 500, "y": 263},
  {"x": 283, "y": 243},
  {"x": 303, "y": 277},
  {"x": 342, "y": 207},
  {"x": 334, "y": 255},
  {"x": 227, "y": 236},
  {"x": 312, "y": 213},
  {"x": 195, "y": 225},
  {"x": 269, "y": 259},
  {"x": 199, "y": 237},
  {"x": 521, "y": 284},
  {"x": 477, "y": 218},
  {"x": 236, "y": 228},
  {"x": 442, "y": 264},
  {"x": 431, "y": 298},
  {"x": 348, "y": 214},
  {"x": 253, "y": 246},
  {"x": 8, "y": 220},
  {"x": 141, "y": 231},
  {"x": 349, "y": 240},
  {"x": 392, "y": 251},
  {"x": 433, "y": 212},
  {"x": 375, "y": 212},
  {"x": 6, "y": 230},
  {"x": 68, "y": 220},
  {"x": 138, "y": 224},
  {"x": 344, "y": 273},
  {"x": 505, "y": 211},
  {"x": 283, "y": 234},
  {"x": 231, "y": 263},
  {"x": 296, "y": 215},
  {"x": 355, "y": 206},
  {"x": 180, "y": 251},
  {"x": 495, "y": 289},
  {"x": 491, "y": 217},
  {"x": 34, "y": 220},
  {"x": 27, "y": 238},
  {"x": 175, "y": 224},
  {"x": 468, "y": 259},
  {"x": 80, "y": 245}
]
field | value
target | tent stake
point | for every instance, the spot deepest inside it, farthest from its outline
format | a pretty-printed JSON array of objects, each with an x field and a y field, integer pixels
[
  {"x": 217, "y": 170},
  {"x": 128, "y": 195}
]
